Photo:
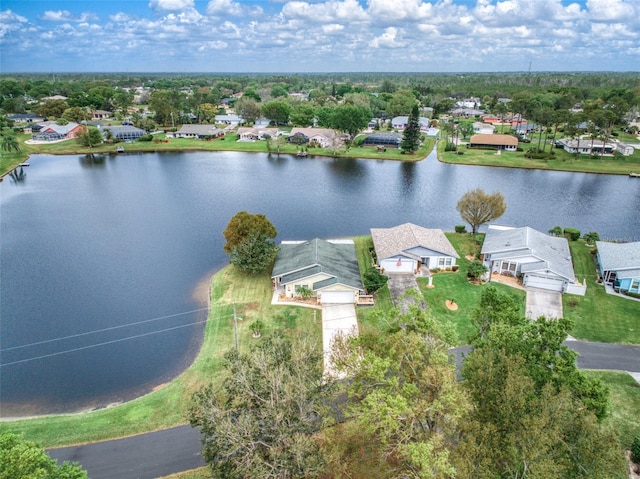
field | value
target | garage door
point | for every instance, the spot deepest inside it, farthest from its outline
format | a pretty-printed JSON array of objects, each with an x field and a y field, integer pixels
[
  {"x": 337, "y": 297},
  {"x": 398, "y": 265},
  {"x": 552, "y": 284}
]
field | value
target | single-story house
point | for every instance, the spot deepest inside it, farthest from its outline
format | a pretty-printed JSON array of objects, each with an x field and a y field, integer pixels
[
  {"x": 383, "y": 138},
  {"x": 624, "y": 149},
  {"x": 586, "y": 146},
  {"x": 494, "y": 141},
  {"x": 124, "y": 133},
  {"x": 26, "y": 118},
  {"x": 408, "y": 247},
  {"x": 543, "y": 261},
  {"x": 51, "y": 131},
  {"x": 198, "y": 132},
  {"x": 232, "y": 120},
  {"x": 247, "y": 133},
  {"x": 323, "y": 137},
  {"x": 467, "y": 112},
  {"x": 329, "y": 268},
  {"x": 525, "y": 128},
  {"x": 619, "y": 265},
  {"x": 101, "y": 115},
  {"x": 483, "y": 128},
  {"x": 401, "y": 122}
]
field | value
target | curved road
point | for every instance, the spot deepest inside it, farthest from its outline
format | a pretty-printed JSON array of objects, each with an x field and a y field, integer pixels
[{"x": 160, "y": 453}]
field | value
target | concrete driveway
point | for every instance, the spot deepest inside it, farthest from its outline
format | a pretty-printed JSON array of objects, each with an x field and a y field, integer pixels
[
  {"x": 337, "y": 319},
  {"x": 542, "y": 302},
  {"x": 399, "y": 284}
]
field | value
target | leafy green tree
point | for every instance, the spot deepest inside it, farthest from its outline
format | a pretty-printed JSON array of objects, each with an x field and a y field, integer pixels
[
  {"x": 260, "y": 421},
  {"x": 10, "y": 144},
  {"x": 279, "y": 91},
  {"x": 76, "y": 114},
  {"x": 403, "y": 395},
  {"x": 21, "y": 459},
  {"x": 90, "y": 137},
  {"x": 277, "y": 111},
  {"x": 411, "y": 135},
  {"x": 255, "y": 254},
  {"x": 52, "y": 108},
  {"x": 373, "y": 280},
  {"x": 166, "y": 105},
  {"x": 556, "y": 231},
  {"x": 350, "y": 119},
  {"x": 476, "y": 269},
  {"x": 591, "y": 237},
  {"x": 303, "y": 114},
  {"x": 517, "y": 429},
  {"x": 248, "y": 108},
  {"x": 401, "y": 103},
  {"x": 477, "y": 207},
  {"x": 242, "y": 225}
]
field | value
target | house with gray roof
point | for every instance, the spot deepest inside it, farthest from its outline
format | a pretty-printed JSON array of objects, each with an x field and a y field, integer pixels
[
  {"x": 541, "y": 260},
  {"x": 619, "y": 265},
  {"x": 124, "y": 132},
  {"x": 198, "y": 132},
  {"x": 329, "y": 268},
  {"x": 407, "y": 248}
]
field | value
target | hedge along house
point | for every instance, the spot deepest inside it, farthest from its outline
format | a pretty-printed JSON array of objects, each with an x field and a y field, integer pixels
[
  {"x": 494, "y": 142},
  {"x": 329, "y": 268},
  {"x": 619, "y": 265},
  {"x": 408, "y": 248}
]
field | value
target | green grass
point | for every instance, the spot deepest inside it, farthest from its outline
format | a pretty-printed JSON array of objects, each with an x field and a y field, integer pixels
[
  {"x": 563, "y": 161},
  {"x": 167, "y": 406},
  {"x": 599, "y": 316},
  {"x": 454, "y": 285},
  {"x": 625, "y": 404},
  {"x": 200, "y": 473}
]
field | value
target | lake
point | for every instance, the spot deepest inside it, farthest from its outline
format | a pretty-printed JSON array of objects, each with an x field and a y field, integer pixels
[{"x": 103, "y": 260}]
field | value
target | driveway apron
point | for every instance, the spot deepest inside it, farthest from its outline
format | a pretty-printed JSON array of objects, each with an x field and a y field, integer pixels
[
  {"x": 541, "y": 302},
  {"x": 337, "y": 319}
]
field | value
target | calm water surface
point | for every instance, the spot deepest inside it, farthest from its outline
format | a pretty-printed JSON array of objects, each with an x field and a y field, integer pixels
[{"x": 97, "y": 251}]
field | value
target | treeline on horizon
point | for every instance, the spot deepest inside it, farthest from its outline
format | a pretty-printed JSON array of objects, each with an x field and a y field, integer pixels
[{"x": 583, "y": 85}]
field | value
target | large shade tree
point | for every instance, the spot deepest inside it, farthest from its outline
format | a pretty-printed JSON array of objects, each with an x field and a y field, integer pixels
[
  {"x": 260, "y": 421},
  {"x": 477, "y": 207}
]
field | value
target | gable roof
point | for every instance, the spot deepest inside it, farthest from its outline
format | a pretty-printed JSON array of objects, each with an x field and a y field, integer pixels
[
  {"x": 390, "y": 242},
  {"x": 205, "y": 130},
  {"x": 619, "y": 256},
  {"x": 338, "y": 259},
  {"x": 328, "y": 133},
  {"x": 552, "y": 252}
]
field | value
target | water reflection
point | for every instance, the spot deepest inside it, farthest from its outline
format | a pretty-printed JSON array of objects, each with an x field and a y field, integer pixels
[{"x": 92, "y": 160}]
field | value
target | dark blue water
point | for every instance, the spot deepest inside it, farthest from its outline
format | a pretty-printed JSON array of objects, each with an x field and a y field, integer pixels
[{"x": 87, "y": 245}]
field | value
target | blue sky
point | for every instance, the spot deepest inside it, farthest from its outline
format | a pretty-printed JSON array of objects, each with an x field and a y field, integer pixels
[{"x": 319, "y": 35}]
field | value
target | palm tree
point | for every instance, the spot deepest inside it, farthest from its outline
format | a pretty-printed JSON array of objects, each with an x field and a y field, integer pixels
[{"x": 10, "y": 143}]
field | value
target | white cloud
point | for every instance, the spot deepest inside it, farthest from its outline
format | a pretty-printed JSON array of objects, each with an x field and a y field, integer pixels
[
  {"x": 607, "y": 10},
  {"x": 10, "y": 22},
  {"x": 67, "y": 16},
  {"x": 393, "y": 10},
  {"x": 218, "y": 8},
  {"x": 387, "y": 39},
  {"x": 171, "y": 5},
  {"x": 325, "y": 12}
]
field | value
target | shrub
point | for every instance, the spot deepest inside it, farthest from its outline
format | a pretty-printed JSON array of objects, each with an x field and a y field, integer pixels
[
  {"x": 635, "y": 450},
  {"x": 455, "y": 268},
  {"x": 572, "y": 234},
  {"x": 461, "y": 229},
  {"x": 573, "y": 302},
  {"x": 450, "y": 147},
  {"x": 591, "y": 237},
  {"x": 148, "y": 137}
]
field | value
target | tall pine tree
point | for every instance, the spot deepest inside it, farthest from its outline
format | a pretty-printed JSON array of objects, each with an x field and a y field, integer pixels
[{"x": 411, "y": 137}]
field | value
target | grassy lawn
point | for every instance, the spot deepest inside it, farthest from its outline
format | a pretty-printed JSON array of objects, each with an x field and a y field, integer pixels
[
  {"x": 599, "y": 316},
  {"x": 454, "y": 285},
  {"x": 625, "y": 404},
  {"x": 563, "y": 161},
  {"x": 167, "y": 406}
]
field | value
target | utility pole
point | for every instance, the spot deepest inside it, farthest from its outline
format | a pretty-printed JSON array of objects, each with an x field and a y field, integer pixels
[{"x": 235, "y": 325}]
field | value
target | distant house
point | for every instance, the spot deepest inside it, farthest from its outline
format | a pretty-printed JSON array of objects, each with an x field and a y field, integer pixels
[
  {"x": 543, "y": 261},
  {"x": 401, "y": 122},
  {"x": 322, "y": 137},
  {"x": 483, "y": 128},
  {"x": 586, "y": 146},
  {"x": 197, "y": 132},
  {"x": 408, "y": 247},
  {"x": 101, "y": 115},
  {"x": 494, "y": 141},
  {"x": 124, "y": 133},
  {"x": 51, "y": 131},
  {"x": 525, "y": 128},
  {"x": 329, "y": 268},
  {"x": 25, "y": 118},
  {"x": 247, "y": 133},
  {"x": 388, "y": 139},
  {"x": 624, "y": 149},
  {"x": 619, "y": 265},
  {"x": 467, "y": 112},
  {"x": 231, "y": 120}
]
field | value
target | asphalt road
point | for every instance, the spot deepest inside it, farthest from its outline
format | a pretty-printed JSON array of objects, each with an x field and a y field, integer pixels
[{"x": 160, "y": 453}]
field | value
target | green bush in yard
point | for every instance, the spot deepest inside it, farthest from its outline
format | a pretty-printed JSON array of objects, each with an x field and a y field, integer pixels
[
  {"x": 461, "y": 229},
  {"x": 635, "y": 450},
  {"x": 572, "y": 234}
]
